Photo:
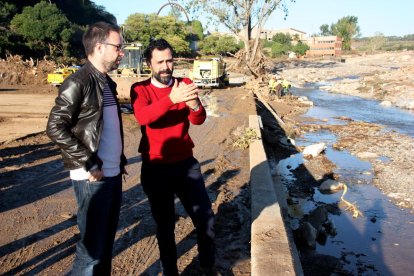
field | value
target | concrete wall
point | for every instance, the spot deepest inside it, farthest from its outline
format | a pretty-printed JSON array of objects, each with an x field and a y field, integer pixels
[{"x": 272, "y": 252}]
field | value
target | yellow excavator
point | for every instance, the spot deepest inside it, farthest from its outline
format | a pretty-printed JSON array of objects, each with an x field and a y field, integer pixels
[
  {"x": 59, "y": 75},
  {"x": 132, "y": 64}
]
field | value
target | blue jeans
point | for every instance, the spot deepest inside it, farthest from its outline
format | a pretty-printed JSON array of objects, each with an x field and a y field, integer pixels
[
  {"x": 99, "y": 205},
  {"x": 161, "y": 182}
]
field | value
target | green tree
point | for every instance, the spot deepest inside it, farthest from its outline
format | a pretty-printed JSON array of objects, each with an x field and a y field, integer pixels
[
  {"x": 219, "y": 44},
  {"x": 346, "y": 27},
  {"x": 282, "y": 38},
  {"x": 325, "y": 31},
  {"x": 7, "y": 11},
  {"x": 44, "y": 27},
  {"x": 239, "y": 17},
  {"x": 300, "y": 48},
  {"x": 84, "y": 12},
  {"x": 143, "y": 27},
  {"x": 181, "y": 46},
  {"x": 279, "y": 49},
  {"x": 197, "y": 29}
]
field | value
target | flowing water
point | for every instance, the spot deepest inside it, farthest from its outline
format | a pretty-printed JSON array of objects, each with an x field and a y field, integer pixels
[{"x": 380, "y": 242}]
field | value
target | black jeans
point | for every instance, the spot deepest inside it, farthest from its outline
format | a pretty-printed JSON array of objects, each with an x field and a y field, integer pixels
[
  {"x": 99, "y": 205},
  {"x": 184, "y": 179}
]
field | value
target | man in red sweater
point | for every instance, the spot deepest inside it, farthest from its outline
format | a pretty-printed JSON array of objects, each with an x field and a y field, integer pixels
[{"x": 164, "y": 106}]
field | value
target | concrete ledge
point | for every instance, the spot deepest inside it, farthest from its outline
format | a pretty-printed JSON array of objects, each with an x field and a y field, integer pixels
[{"x": 271, "y": 253}]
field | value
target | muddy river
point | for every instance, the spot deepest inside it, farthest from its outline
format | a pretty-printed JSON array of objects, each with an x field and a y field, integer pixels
[{"x": 379, "y": 242}]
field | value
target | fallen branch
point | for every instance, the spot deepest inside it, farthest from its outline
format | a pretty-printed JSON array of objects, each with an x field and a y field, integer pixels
[{"x": 350, "y": 206}]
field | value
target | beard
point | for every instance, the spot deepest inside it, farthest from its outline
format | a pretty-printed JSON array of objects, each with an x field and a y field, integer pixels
[
  {"x": 112, "y": 65},
  {"x": 163, "y": 79}
]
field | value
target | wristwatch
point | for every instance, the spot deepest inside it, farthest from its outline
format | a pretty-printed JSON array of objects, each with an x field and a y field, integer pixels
[{"x": 195, "y": 108}]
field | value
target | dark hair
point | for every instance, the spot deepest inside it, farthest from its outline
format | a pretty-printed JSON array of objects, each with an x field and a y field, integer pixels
[
  {"x": 97, "y": 32},
  {"x": 159, "y": 44}
]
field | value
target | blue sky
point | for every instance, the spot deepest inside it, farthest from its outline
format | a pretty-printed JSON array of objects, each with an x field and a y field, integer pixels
[{"x": 386, "y": 16}]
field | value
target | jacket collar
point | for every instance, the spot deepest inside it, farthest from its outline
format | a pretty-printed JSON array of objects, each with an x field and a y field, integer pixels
[{"x": 100, "y": 76}]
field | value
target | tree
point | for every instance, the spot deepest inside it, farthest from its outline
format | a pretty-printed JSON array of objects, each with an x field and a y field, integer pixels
[
  {"x": 377, "y": 41},
  {"x": 144, "y": 27},
  {"x": 346, "y": 27},
  {"x": 240, "y": 17},
  {"x": 7, "y": 11},
  {"x": 84, "y": 12},
  {"x": 219, "y": 44},
  {"x": 44, "y": 27},
  {"x": 300, "y": 48},
  {"x": 282, "y": 38},
  {"x": 181, "y": 46},
  {"x": 325, "y": 31},
  {"x": 197, "y": 29},
  {"x": 279, "y": 49}
]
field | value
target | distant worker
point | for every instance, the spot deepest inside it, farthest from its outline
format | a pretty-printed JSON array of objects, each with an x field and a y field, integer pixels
[
  {"x": 279, "y": 87},
  {"x": 275, "y": 87},
  {"x": 286, "y": 87},
  {"x": 86, "y": 125}
]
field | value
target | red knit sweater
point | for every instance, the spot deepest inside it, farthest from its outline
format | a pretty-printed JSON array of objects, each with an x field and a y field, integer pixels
[{"x": 164, "y": 125}]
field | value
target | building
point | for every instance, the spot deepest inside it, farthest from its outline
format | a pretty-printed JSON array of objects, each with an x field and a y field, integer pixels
[
  {"x": 324, "y": 46},
  {"x": 268, "y": 34}
]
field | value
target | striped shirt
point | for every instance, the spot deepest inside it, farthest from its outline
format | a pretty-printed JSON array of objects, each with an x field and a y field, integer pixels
[
  {"x": 108, "y": 97},
  {"x": 110, "y": 144}
]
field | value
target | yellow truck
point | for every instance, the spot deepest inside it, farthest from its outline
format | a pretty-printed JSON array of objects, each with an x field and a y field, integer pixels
[
  {"x": 209, "y": 71},
  {"x": 59, "y": 75}
]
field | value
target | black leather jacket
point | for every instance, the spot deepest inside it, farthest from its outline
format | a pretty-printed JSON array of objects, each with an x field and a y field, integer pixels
[{"x": 75, "y": 122}]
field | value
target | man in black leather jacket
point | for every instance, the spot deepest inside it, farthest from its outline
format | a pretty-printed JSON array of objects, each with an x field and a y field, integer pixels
[{"x": 86, "y": 125}]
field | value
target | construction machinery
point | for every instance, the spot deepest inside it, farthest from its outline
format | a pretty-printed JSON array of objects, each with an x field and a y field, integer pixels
[
  {"x": 132, "y": 64},
  {"x": 209, "y": 71},
  {"x": 59, "y": 75}
]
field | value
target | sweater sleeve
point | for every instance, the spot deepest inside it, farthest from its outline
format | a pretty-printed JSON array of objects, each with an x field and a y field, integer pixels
[
  {"x": 146, "y": 111},
  {"x": 197, "y": 117}
]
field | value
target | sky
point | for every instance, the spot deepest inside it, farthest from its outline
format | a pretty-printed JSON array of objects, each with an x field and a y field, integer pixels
[{"x": 389, "y": 17}]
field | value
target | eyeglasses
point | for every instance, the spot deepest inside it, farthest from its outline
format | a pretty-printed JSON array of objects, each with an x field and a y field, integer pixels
[{"x": 119, "y": 47}]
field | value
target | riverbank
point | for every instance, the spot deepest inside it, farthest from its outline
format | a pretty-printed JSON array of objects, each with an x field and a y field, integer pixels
[
  {"x": 386, "y": 77},
  {"x": 331, "y": 236}
]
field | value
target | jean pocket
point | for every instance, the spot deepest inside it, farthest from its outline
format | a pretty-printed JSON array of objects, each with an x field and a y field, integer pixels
[
  {"x": 97, "y": 182},
  {"x": 94, "y": 186}
]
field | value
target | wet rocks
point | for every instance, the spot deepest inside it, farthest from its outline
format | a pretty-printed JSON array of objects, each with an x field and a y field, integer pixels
[
  {"x": 331, "y": 185},
  {"x": 367, "y": 155},
  {"x": 315, "y": 228},
  {"x": 305, "y": 101},
  {"x": 314, "y": 150}
]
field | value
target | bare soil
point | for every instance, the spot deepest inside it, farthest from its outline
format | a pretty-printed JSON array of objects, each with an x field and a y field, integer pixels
[{"x": 38, "y": 229}]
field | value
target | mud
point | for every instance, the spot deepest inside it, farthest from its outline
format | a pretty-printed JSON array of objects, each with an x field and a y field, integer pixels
[
  {"x": 37, "y": 206},
  {"x": 38, "y": 229}
]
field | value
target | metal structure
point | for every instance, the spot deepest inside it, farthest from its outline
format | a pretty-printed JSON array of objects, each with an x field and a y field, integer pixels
[{"x": 174, "y": 5}]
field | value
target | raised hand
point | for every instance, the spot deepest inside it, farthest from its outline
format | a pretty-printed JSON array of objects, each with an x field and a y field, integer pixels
[{"x": 182, "y": 92}]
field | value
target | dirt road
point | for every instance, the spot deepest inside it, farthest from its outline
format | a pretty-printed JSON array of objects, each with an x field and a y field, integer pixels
[
  {"x": 38, "y": 226},
  {"x": 38, "y": 229}
]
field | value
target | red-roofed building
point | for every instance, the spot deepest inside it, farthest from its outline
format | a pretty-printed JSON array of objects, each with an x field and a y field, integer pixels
[{"x": 324, "y": 46}]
